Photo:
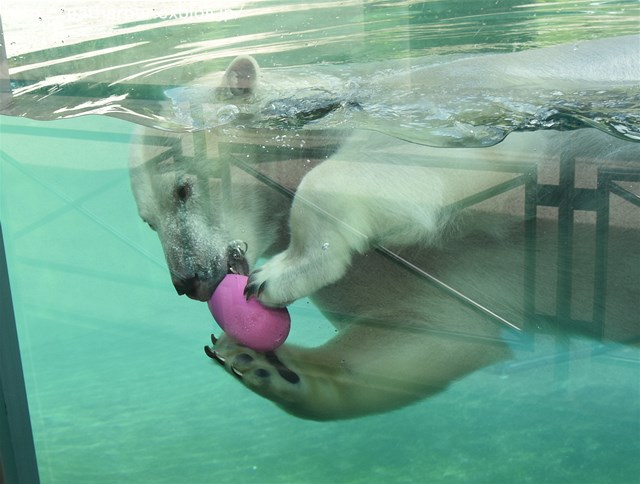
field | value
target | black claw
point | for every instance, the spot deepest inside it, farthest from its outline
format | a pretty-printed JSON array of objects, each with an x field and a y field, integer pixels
[
  {"x": 210, "y": 353},
  {"x": 236, "y": 373},
  {"x": 214, "y": 356},
  {"x": 248, "y": 292},
  {"x": 252, "y": 291},
  {"x": 214, "y": 340},
  {"x": 252, "y": 288}
]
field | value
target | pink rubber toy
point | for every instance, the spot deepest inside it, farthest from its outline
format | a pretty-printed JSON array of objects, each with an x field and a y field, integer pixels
[{"x": 248, "y": 322}]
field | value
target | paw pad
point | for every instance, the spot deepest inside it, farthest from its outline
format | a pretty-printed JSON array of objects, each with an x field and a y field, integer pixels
[{"x": 242, "y": 363}]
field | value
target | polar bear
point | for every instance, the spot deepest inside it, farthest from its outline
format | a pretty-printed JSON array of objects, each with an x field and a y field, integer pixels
[{"x": 403, "y": 247}]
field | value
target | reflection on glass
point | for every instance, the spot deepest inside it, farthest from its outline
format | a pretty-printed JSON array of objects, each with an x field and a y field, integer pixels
[{"x": 444, "y": 195}]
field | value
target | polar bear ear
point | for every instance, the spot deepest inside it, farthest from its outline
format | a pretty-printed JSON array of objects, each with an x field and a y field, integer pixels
[{"x": 241, "y": 77}]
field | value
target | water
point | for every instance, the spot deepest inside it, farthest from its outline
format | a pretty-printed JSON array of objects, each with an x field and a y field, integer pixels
[
  {"x": 114, "y": 75},
  {"x": 480, "y": 111},
  {"x": 119, "y": 388}
]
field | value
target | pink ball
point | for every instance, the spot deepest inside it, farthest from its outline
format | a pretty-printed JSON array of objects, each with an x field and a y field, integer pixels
[{"x": 248, "y": 322}]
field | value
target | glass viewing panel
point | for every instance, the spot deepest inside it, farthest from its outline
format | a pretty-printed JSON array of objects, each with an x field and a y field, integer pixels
[{"x": 445, "y": 195}]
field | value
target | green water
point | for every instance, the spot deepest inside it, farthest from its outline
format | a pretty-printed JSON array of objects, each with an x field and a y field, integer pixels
[{"x": 119, "y": 387}]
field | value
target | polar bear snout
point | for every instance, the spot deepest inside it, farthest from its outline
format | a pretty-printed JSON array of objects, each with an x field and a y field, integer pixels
[
  {"x": 195, "y": 251},
  {"x": 192, "y": 287},
  {"x": 200, "y": 285},
  {"x": 194, "y": 274},
  {"x": 197, "y": 286}
]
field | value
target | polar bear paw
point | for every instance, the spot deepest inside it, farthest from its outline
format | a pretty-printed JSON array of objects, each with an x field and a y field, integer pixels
[
  {"x": 286, "y": 278},
  {"x": 263, "y": 373},
  {"x": 277, "y": 283}
]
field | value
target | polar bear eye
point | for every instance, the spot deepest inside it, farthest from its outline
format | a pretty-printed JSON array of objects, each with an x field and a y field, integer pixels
[{"x": 183, "y": 192}]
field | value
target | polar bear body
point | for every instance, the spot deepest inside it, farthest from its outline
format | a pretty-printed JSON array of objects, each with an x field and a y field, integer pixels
[{"x": 385, "y": 236}]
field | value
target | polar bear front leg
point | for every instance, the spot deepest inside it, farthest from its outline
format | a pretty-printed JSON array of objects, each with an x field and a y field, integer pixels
[
  {"x": 325, "y": 230},
  {"x": 319, "y": 254},
  {"x": 341, "y": 208},
  {"x": 307, "y": 383},
  {"x": 363, "y": 370}
]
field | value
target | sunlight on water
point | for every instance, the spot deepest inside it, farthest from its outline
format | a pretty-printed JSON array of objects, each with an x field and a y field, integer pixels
[{"x": 121, "y": 72}]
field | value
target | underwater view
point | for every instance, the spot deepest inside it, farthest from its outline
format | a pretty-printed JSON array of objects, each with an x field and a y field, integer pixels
[{"x": 472, "y": 317}]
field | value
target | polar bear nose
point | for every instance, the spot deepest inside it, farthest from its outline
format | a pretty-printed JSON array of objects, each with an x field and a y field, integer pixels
[{"x": 188, "y": 285}]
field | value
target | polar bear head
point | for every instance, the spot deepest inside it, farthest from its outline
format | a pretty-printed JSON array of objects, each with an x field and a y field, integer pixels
[{"x": 188, "y": 191}]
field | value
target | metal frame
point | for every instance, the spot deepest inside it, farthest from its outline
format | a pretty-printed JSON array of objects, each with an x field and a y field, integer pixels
[
  {"x": 607, "y": 186},
  {"x": 564, "y": 196},
  {"x": 18, "y": 462}
]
